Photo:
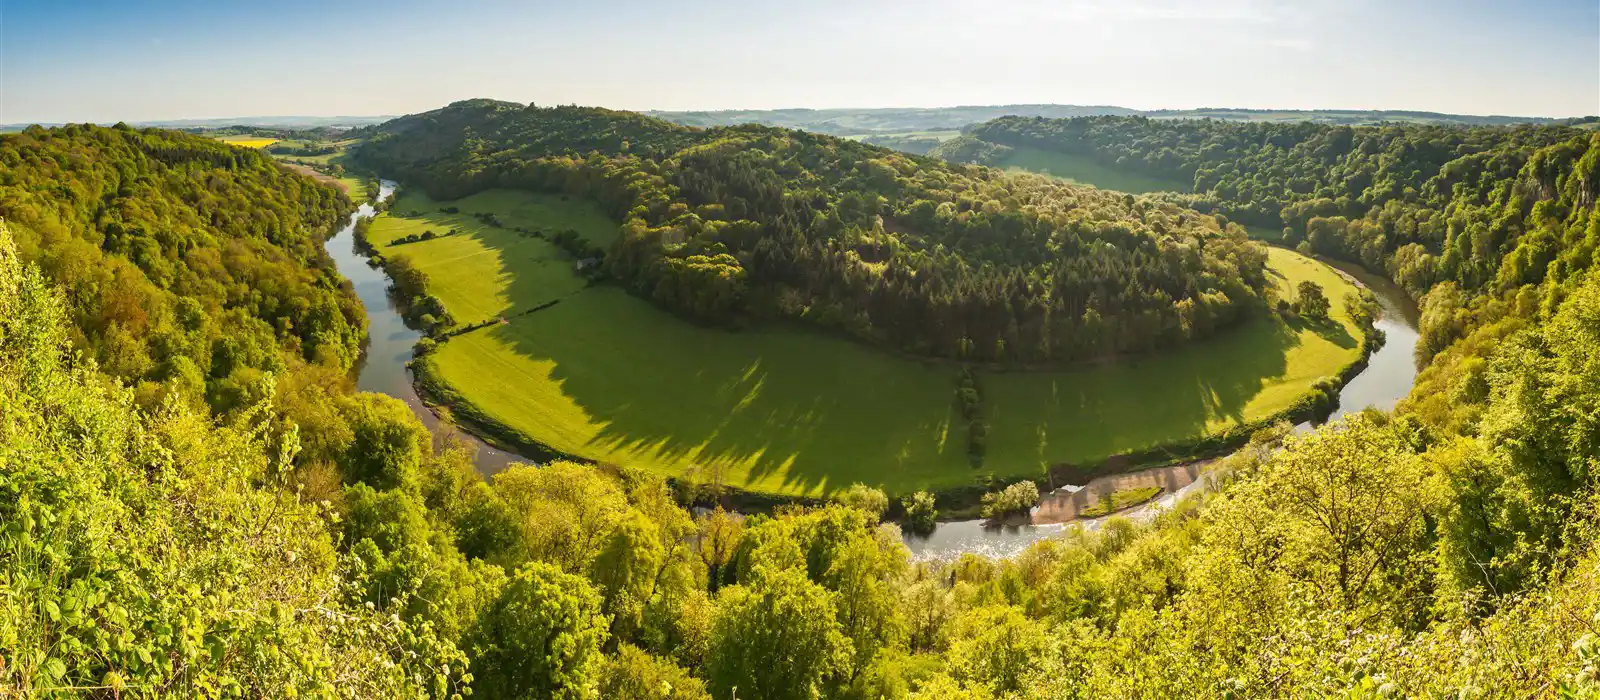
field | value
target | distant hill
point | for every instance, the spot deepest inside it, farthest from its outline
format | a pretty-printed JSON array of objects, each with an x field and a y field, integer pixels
[
  {"x": 905, "y": 121},
  {"x": 280, "y": 122},
  {"x": 734, "y": 225},
  {"x": 857, "y": 122}
]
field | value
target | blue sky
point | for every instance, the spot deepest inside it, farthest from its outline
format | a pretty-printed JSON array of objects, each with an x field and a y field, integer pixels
[{"x": 83, "y": 60}]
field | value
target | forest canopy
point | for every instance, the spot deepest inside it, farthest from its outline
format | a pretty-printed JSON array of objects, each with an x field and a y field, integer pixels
[
  {"x": 190, "y": 265},
  {"x": 1425, "y": 205},
  {"x": 312, "y": 540},
  {"x": 738, "y": 225}
]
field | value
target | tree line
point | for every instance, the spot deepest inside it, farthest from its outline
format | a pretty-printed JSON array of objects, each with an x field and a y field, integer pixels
[
  {"x": 317, "y": 541},
  {"x": 741, "y": 225}
]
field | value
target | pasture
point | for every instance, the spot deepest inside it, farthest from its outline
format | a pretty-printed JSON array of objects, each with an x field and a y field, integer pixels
[
  {"x": 1085, "y": 171},
  {"x": 607, "y": 376}
]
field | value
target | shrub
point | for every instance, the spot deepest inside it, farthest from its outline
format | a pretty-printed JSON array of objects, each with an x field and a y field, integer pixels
[
  {"x": 921, "y": 512},
  {"x": 1016, "y": 498}
]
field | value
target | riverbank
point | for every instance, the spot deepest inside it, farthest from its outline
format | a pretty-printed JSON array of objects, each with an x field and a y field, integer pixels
[
  {"x": 426, "y": 392},
  {"x": 957, "y": 502},
  {"x": 607, "y": 377},
  {"x": 382, "y": 366}
]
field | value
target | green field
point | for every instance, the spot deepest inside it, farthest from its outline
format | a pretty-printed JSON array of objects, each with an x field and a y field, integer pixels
[
  {"x": 1120, "y": 500},
  {"x": 607, "y": 376},
  {"x": 1085, "y": 171}
]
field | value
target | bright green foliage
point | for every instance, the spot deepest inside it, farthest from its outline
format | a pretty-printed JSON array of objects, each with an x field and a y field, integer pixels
[
  {"x": 387, "y": 443},
  {"x": 188, "y": 265},
  {"x": 866, "y": 499},
  {"x": 636, "y": 675},
  {"x": 541, "y": 639},
  {"x": 627, "y": 571},
  {"x": 947, "y": 688},
  {"x": 404, "y": 567},
  {"x": 157, "y": 554},
  {"x": 1001, "y": 649},
  {"x": 1311, "y": 302},
  {"x": 775, "y": 637},
  {"x": 1017, "y": 498},
  {"x": 921, "y": 512},
  {"x": 562, "y": 513},
  {"x": 742, "y": 224}
]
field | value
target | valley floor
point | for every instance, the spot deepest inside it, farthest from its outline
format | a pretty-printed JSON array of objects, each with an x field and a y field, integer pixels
[{"x": 609, "y": 377}]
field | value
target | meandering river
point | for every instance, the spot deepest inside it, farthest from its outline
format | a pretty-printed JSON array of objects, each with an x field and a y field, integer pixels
[
  {"x": 1387, "y": 378},
  {"x": 383, "y": 365}
]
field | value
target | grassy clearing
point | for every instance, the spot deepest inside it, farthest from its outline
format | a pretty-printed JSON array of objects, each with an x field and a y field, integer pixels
[
  {"x": 607, "y": 376},
  {"x": 1084, "y": 171},
  {"x": 1120, "y": 500}
]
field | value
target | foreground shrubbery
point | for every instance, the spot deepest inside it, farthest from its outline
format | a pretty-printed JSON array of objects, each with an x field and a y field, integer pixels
[
  {"x": 157, "y": 552},
  {"x": 305, "y": 539}
]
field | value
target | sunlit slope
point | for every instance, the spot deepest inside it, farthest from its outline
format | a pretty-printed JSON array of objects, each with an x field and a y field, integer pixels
[{"x": 609, "y": 377}]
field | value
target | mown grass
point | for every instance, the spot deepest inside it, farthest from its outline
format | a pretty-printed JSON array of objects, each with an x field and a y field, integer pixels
[
  {"x": 609, "y": 377},
  {"x": 1085, "y": 171},
  {"x": 1120, "y": 500}
]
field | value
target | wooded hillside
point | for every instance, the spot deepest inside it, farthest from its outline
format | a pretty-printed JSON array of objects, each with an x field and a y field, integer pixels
[{"x": 742, "y": 224}]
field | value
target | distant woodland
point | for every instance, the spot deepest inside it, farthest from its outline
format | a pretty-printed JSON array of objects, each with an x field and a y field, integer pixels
[{"x": 741, "y": 224}]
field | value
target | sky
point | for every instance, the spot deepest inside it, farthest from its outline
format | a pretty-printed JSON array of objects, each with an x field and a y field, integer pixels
[{"x": 144, "y": 60}]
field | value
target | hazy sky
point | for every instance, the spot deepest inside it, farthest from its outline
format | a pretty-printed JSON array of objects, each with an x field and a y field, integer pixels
[{"x": 109, "y": 60}]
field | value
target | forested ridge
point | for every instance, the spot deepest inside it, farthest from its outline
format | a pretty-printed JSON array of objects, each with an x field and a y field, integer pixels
[
  {"x": 315, "y": 541},
  {"x": 188, "y": 263},
  {"x": 738, "y": 225},
  {"x": 1471, "y": 210}
]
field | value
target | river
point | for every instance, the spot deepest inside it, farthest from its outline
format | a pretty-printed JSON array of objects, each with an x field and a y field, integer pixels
[
  {"x": 383, "y": 364},
  {"x": 1387, "y": 378}
]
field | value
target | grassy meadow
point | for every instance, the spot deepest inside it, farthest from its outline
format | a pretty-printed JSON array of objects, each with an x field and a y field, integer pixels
[
  {"x": 1085, "y": 171},
  {"x": 608, "y": 376}
]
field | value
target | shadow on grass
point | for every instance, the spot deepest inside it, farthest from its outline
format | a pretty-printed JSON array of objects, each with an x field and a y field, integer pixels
[
  {"x": 816, "y": 413},
  {"x": 805, "y": 413},
  {"x": 1330, "y": 330}
]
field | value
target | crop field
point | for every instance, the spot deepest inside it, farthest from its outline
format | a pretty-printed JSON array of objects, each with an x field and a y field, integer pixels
[
  {"x": 1084, "y": 171},
  {"x": 248, "y": 141},
  {"x": 609, "y": 377}
]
